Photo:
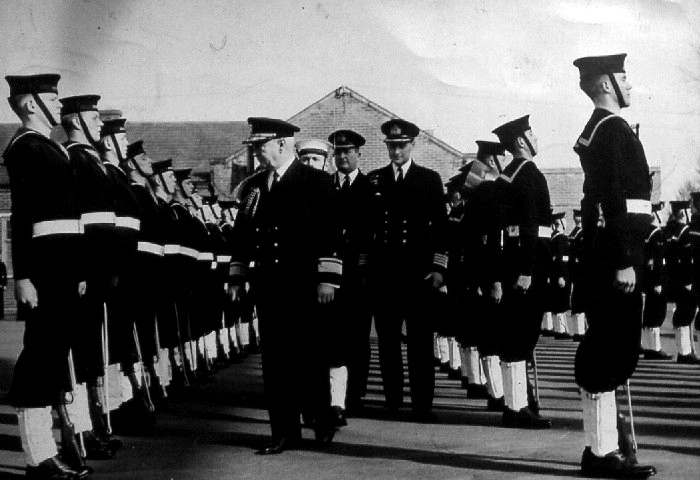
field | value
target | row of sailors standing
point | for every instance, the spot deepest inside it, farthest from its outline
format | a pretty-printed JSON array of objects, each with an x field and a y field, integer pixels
[
  {"x": 672, "y": 275},
  {"x": 120, "y": 272}
]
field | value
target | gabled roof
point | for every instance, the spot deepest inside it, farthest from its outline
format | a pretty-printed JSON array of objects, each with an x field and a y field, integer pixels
[{"x": 343, "y": 90}]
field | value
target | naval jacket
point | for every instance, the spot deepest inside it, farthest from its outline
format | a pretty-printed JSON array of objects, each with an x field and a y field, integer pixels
[
  {"x": 46, "y": 229},
  {"x": 616, "y": 206}
]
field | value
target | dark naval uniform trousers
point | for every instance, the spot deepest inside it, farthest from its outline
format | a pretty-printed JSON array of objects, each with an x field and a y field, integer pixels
[
  {"x": 409, "y": 222},
  {"x": 46, "y": 247},
  {"x": 654, "y": 277},
  {"x": 289, "y": 232}
]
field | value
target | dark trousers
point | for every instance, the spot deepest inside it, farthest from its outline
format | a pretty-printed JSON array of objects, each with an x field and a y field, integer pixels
[
  {"x": 608, "y": 354},
  {"x": 41, "y": 370},
  {"x": 87, "y": 345},
  {"x": 395, "y": 302},
  {"x": 522, "y": 319},
  {"x": 654, "y": 309},
  {"x": 686, "y": 306},
  {"x": 294, "y": 380},
  {"x": 348, "y": 330},
  {"x": 491, "y": 326}
]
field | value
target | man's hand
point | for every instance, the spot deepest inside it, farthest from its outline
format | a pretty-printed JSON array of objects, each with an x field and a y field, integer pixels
[
  {"x": 82, "y": 288},
  {"x": 496, "y": 292},
  {"x": 625, "y": 280},
  {"x": 234, "y": 292},
  {"x": 523, "y": 283},
  {"x": 26, "y": 293},
  {"x": 689, "y": 287},
  {"x": 657, "y": 289},
  {"x": 435, "y": 279},
  {"x": 326, "y": 294},
  {"x": 561, "y": 282}
]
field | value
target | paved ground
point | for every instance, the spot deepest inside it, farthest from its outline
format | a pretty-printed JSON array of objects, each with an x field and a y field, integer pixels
[{"x": 212, "y": 431}]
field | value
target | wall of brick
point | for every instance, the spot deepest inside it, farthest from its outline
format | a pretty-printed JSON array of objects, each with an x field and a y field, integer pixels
[{"x": 346, "y": 109}]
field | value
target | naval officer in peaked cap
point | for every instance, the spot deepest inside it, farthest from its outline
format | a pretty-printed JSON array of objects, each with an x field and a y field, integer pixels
[
  {"x": 407, "y": 263},
  {"x": 283, "y": 207}
]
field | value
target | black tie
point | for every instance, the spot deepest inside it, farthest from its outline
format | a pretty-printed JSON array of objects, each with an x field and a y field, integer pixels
[
  {"x": 275, "y": 179},
  {"x": 399, "y": 176},
  {"x": 346, "y": 184}
]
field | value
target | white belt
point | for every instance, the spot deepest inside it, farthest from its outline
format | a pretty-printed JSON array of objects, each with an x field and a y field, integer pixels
[
  {"x": 149, "y": 247},
  {"x": 171, "y": 249},
  {"x": 542, "y": 232},
  {"x": 223, "y": 258},
  {"x": 206, "y": 257},
  {"x": 56, "y": 227},
  {"x": 128, "y": 222},
  {"x": 98, "y": 217},
  {"x": 638, "y": 206},
  {"x": 189, "y": 252}
]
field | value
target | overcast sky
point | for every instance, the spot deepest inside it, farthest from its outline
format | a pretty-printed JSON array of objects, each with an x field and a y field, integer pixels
[{"x": 459, "y": 68}]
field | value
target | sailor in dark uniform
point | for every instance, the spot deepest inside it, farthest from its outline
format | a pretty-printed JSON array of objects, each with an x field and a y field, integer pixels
[
  {"x": 654, "y": 288},
  {"x": 407, "y": 262},
  {"x": 81, "y": 121},
  {"x": 485, "y": 257},
  {"x": 559, "y": 283},
  {"x": 284, "y": 208},
  {"x": 136, "y": 415},
  {"x": 526, "y": 221},
  {"x": 578, "y": 315},
  {"x": 679, "y": 262},
  {"x": 148, "y": 276},
  {"x": 48, "y": 268},
  {"x": 695, "y": 241},
  {"x": 188, "y": 230},
  {"x": 450, "y": 305},
  {"x": 172, "y": 290},
  {"x": 354, "y": 315},
  {"x": 616, "y": 214}
]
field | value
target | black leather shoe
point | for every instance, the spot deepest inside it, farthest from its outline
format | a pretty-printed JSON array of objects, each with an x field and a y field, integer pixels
[
  {"x": 445, "y": 367},
  {"x": 278, "y": 446},
  {"x": 690, "y": 359},
  {"x": 54, "y": 469},
  {"x": 465, "y": 383},
  {"x": 477, "y": 391},
  {"x": 547, "y": 333},
  {"x": 338, "y": 417},
  {"x": 657, "y": 355},
  {"x": 578, "y": 337},
  {"x": 524, "y": 418},
  {"x": 612, "y": 465},
  {"x": 96, "y": 449},
  {"x": 324, "y": 436},
  {"x": 495, "y": 404},
  {"x": 454, "y": 374}
]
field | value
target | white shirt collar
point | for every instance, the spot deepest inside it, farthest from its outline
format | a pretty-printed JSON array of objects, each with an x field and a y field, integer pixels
[
  {"x": 352, "y": 175},
  {"x": 281, "y": 170},
  {"x": 403, "y": 167}
]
